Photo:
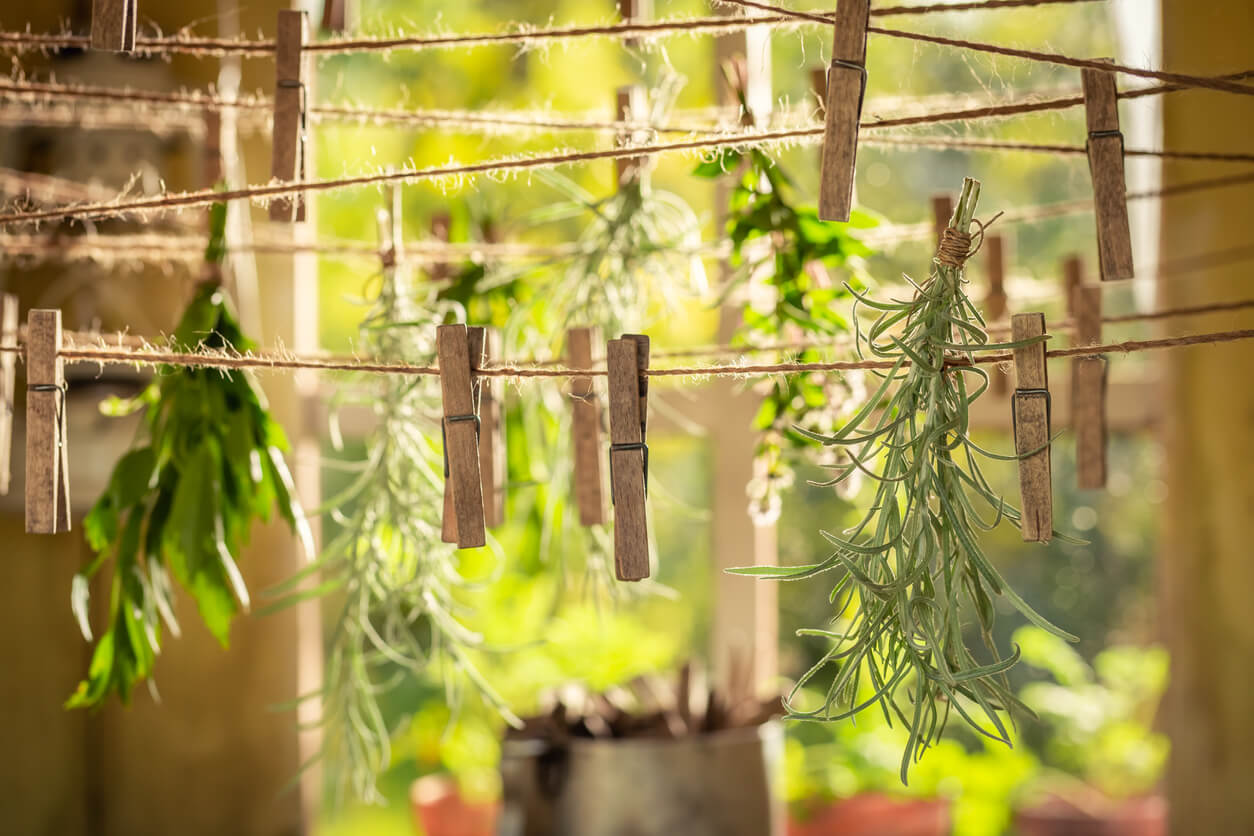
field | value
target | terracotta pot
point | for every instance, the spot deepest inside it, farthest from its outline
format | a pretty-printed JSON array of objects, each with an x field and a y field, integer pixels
[
  {"x": 1057, "y": 816},
  {"x": 440, "y": 810},
  {"x": 874, "y": 815}
]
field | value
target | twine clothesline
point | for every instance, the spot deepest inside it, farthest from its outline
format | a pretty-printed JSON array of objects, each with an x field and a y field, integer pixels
[
  {"x": 204, "y": 197},
  {"x": 783, "y": 16},
  {"x": 1211, "y": 83},
  {"x": 32, "y": 91},
  {"x": 163, "y": 247},
  {"x": 281, "y": 361},
  {"x": 524, "y": 36}
]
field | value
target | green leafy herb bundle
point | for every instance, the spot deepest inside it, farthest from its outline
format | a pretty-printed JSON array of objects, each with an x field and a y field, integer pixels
[
  {"x": 179, "y": 506},
  {"x": 784, "y": 252},
  {"x": 912, "y": 571}
]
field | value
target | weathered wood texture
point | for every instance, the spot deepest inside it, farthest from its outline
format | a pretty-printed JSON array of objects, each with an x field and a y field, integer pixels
[
  {"x": 1205, "y": 566},
  {"x": 589, "y": 485},
  {"x": 461, "y": 444},
  {"x": 628, "y": 393},
  {"x": 1031, "y": 420},
  {"x": 289, "y": 154},
  {"x": 47, "y": 460},
  {"x": 746, "y": 613},
  {"x": 843, "y": 109},
  {"x": 1105, "y": 151},
  {"x": 113, "y": 25}
]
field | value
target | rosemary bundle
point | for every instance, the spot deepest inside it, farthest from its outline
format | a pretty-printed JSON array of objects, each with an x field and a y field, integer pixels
[
  {"x": 640, "y": 248},
  {"x": 393, "y": 581},
  {"x": 180, "y": 505},
  {"x": 913, "y": 572}
]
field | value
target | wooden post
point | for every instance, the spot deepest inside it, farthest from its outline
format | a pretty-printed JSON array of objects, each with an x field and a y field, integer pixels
[
  {"x": 1204, "y": 561},
  {"x": 1031, "y": 428},
  {"x": 846, "y": 84},
  {"x": 746, "y": 612},
  {"x": 8, "y": 385},
  {"x": 289, "y": 151},
  {"x": 47, "y": 459}
]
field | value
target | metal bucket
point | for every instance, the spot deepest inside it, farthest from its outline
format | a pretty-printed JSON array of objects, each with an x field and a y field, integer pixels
[{"x": 717, "y": 784}]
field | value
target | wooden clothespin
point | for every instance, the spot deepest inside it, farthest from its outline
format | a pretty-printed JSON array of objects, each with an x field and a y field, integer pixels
[
  {"x": 113, "y": 24},
  {"x": 627, "y": 359},
  {"x": 289, "y": 158},
  {"x": 585, "y": 429},
  {"x": 492, "y": 460},
  {"x": 8, "y": 385},
  {"x": 1105, "y": 150},
  {"x": 441, "y": 230},
  {"x": 212, "y": 148},
  {"x": 1088, "y": 388},
  {"x": 942, "y": 214},
  {"x": 463, "y": 489},
  {"x": 1072, "y": 278},
  {"x": 634, "y": 11},
  {"x": 47, "y": 458},
  {"x": 335, "y": 15},
  {"x": 1031, "y": 420},
  {"x": 995, "y": 306},
  {"x": 818, "y": 85},
  {"x": 846, "y": 85},
  {"x": 629, "y": 105}
]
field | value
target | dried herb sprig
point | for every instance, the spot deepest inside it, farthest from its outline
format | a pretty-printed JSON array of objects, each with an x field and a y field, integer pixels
[
  {"x": 394, "y": 581},
  {"x": 641, "y": 249},
  {"x": 914, "y": 572},
  {"x": 179, "y": 506}
]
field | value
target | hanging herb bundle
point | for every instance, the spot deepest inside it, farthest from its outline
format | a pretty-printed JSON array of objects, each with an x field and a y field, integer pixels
[
  {"x": 640, "y": 248},
  {"x": 913, "y": 572},
  {"x": 782, "y": 253},
  {"x": 394, "y": 581},
  {"x": 179, "y": 506}
]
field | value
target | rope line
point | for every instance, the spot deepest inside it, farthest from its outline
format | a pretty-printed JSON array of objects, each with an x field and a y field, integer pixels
[
  {"x": 288, "y": 361},
  {"x": 203, "y": 197},
  {"x": 1207, "y": 82},
  {"x": 525, "y": 36}
]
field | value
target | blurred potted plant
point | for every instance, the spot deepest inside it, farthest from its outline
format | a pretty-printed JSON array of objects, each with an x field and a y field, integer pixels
[
  {"x": 842, "y": 778},
  {"x": 648, "y": 759},
  {"x": 1103, "y": 759}
]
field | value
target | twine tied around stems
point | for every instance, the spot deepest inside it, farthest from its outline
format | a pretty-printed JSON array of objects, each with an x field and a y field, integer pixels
[{"x": 955, "y": 245}]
